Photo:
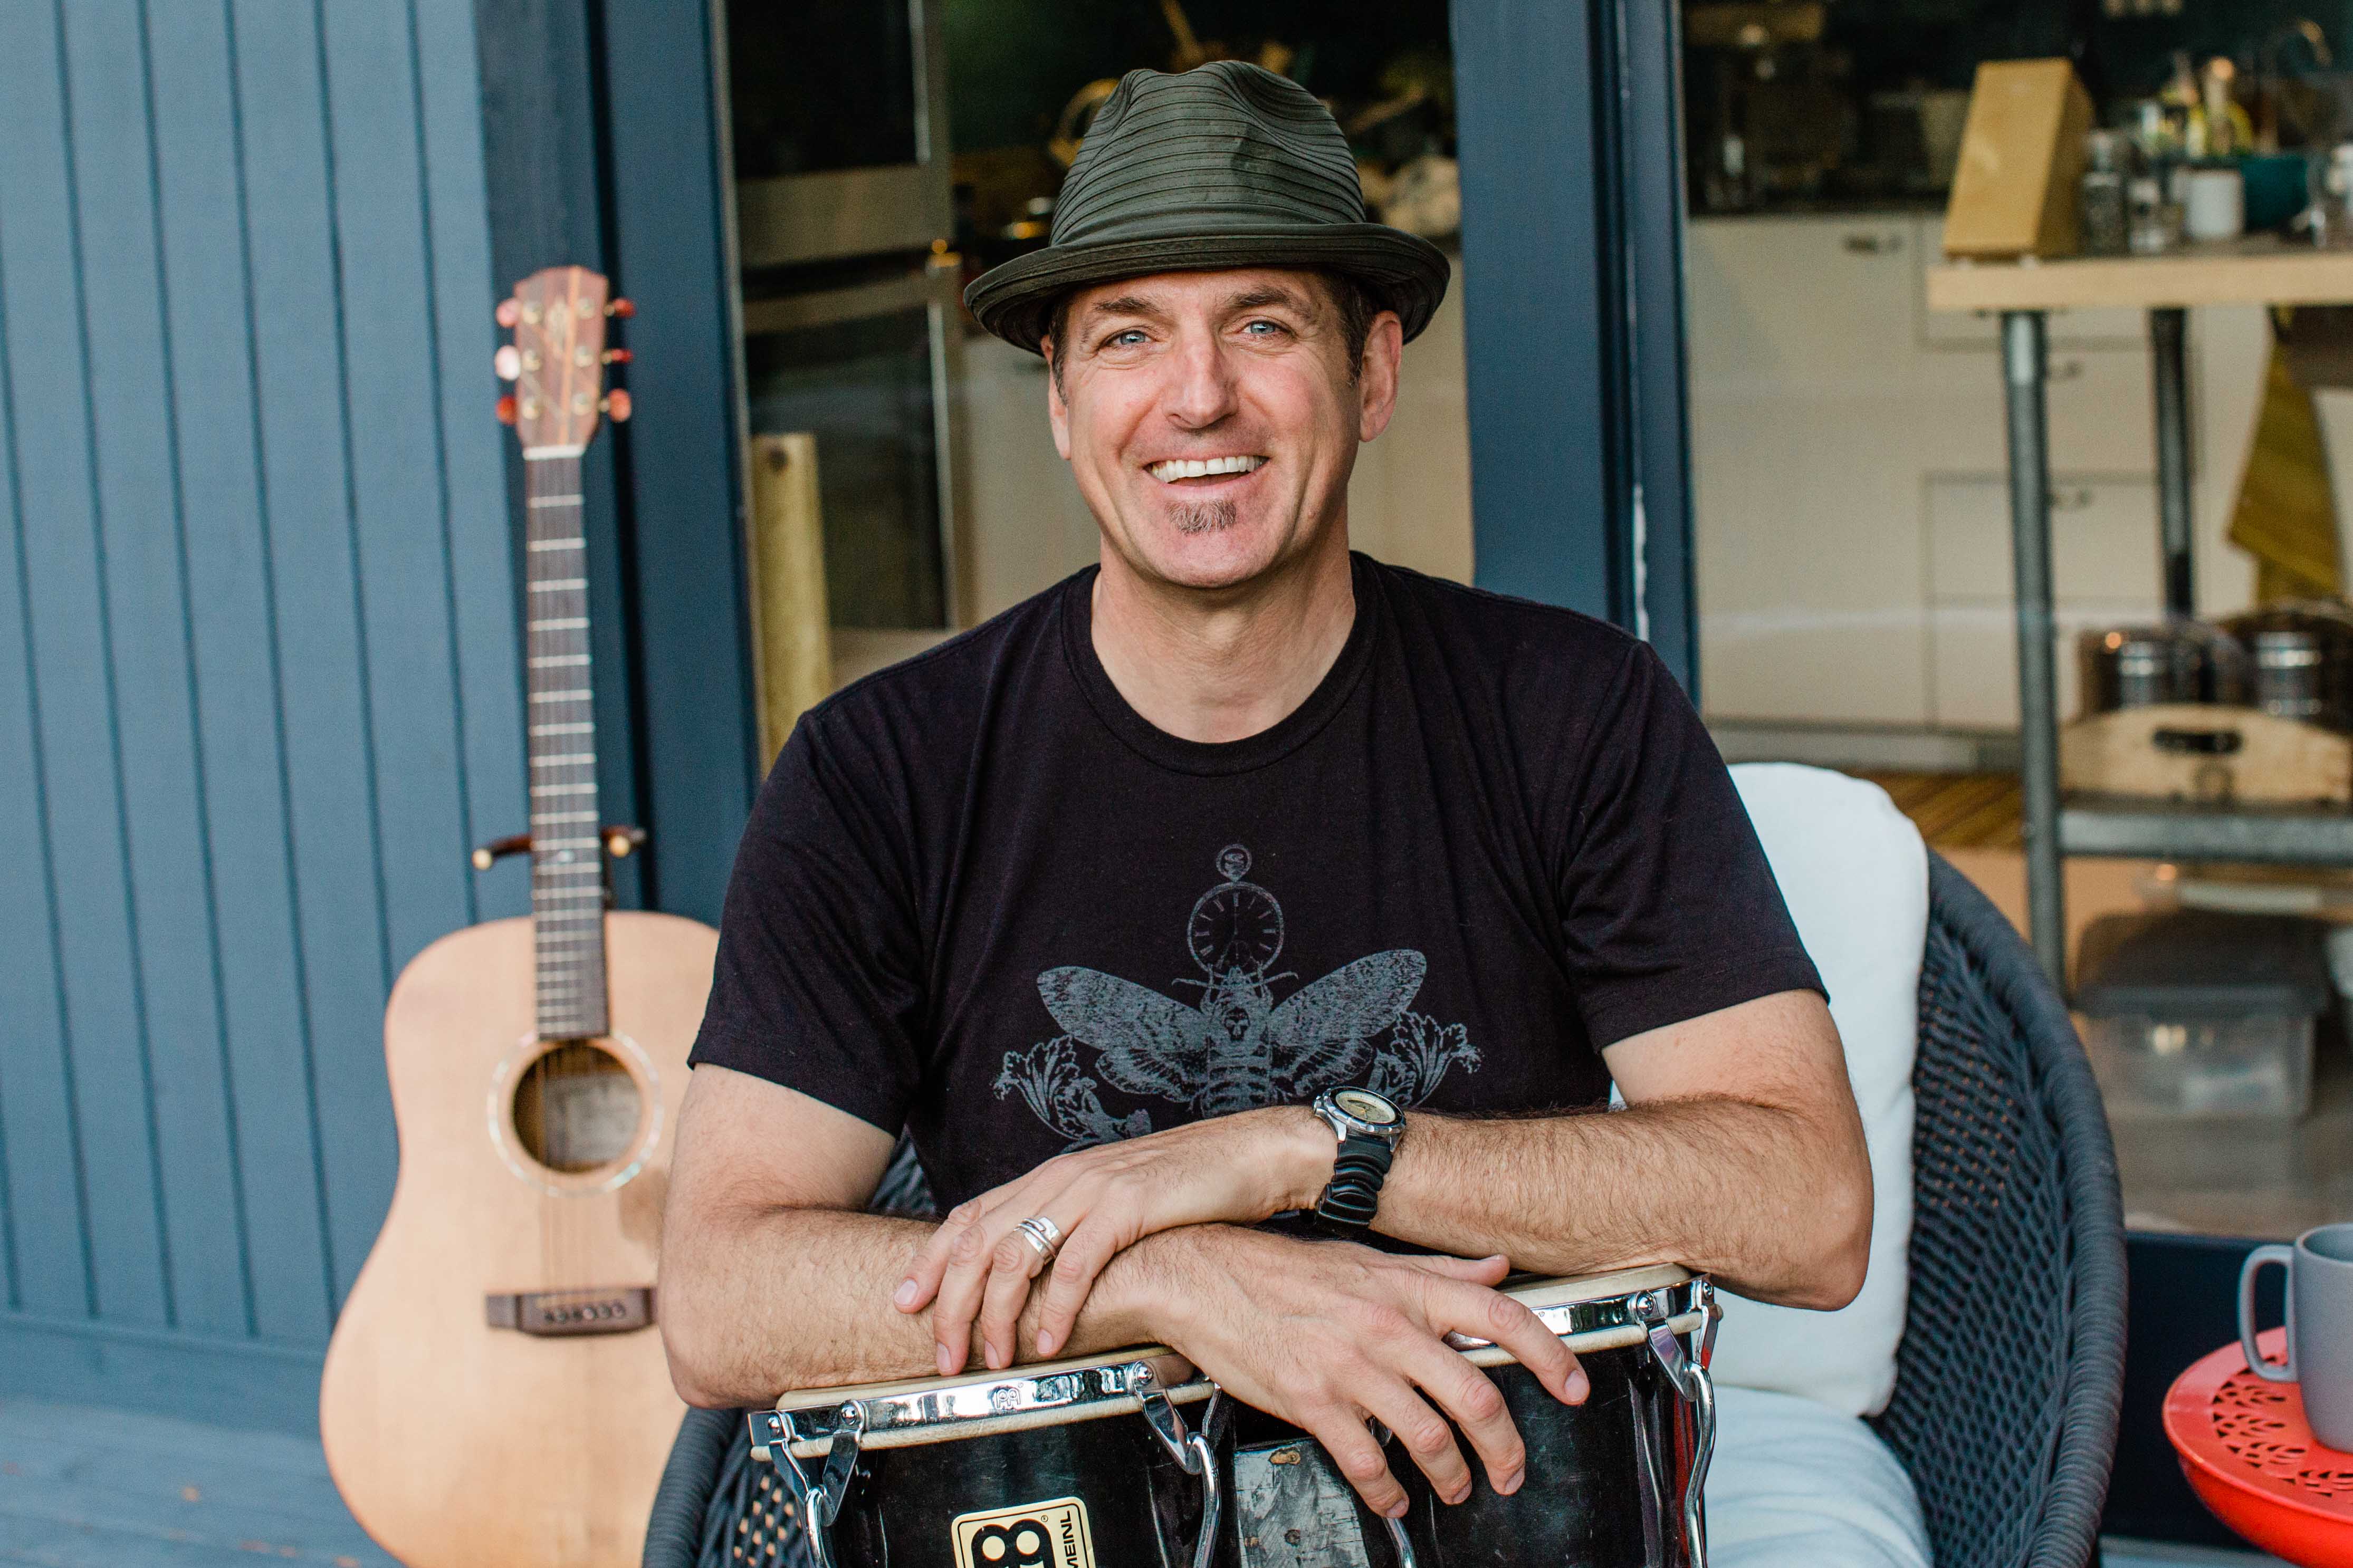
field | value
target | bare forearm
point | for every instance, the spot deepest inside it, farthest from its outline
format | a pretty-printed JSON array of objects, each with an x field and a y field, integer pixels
[
  {"x": 1773, "y": 1202},
  {"x": 758, "y": 1303}
]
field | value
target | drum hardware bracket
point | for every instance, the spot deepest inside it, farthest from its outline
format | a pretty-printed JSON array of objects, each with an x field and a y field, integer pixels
[
  {"x": 1195, "y": 1451},
  {"x": 1400, "y": 1542},
  {"x": 1690, "y": 1377},
  {"x": 820, "y": 1499}
]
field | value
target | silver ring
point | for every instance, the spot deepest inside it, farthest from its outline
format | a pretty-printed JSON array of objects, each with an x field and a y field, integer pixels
[{"x": 1042, "y": 1233}]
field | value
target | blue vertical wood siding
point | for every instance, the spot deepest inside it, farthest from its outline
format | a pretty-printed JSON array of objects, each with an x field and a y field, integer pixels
[{"x": 258, "y": 679}]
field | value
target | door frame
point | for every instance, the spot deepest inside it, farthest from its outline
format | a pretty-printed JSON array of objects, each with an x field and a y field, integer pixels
[{"x": 1573, "y": 305}]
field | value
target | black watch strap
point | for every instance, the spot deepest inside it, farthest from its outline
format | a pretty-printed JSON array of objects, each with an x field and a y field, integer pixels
[{"x": 1354, "y": 1194}]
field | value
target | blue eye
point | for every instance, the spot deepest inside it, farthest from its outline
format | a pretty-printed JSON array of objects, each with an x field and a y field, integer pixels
[
  {"x": 1131, "y": 334},
  {"x": 1269, "y": 326}
]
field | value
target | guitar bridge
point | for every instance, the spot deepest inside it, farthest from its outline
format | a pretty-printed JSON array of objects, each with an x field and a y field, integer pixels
[{"x": 554, "y": 1314}]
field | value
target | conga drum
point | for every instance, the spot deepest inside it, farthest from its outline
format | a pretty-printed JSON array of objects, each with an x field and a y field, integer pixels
[{"x": 1093, "y": 1462}]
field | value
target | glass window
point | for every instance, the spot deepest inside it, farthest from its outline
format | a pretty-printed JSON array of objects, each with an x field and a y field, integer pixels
[
  {"x": 863, "y": 387},
  {"x": 1852, "y": 536},
  {"x": 820, "y": 89}
]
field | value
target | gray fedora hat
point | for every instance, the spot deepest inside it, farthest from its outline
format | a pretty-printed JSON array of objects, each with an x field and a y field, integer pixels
[{"x": 1225, "y": 165}]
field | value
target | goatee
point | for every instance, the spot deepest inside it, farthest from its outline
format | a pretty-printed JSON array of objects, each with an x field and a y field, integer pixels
[{"x": 1205, "y": 516}]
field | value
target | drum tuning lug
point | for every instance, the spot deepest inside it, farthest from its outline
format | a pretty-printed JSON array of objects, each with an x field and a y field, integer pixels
[
  {"x": 1167, "y": 1425},
  {"x": 1401, "y": 1543},
  {"x": 820, "y": 1499},
  {"x": 1689, "y": 1377}
]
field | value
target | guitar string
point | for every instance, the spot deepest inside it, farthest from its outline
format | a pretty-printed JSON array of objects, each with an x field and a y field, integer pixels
[
  {"x": 558, "y": 965},
  {"x": 572, "y": 969}
]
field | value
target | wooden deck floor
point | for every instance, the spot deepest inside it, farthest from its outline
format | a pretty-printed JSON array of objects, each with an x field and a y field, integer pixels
[
  {"x": 83, "y": 1487},
  {"x": 1958, "y": 811}
]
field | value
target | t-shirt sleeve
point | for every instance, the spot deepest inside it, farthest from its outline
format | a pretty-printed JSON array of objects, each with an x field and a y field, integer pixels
[
  {"x": 818, "y": 982},
  {"x": 1669, "y": 906}
]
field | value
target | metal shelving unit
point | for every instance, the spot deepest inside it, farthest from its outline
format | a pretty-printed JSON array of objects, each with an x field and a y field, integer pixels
[
  {"x": 2258, "y": 271},
  {"x": 2158, "y": 830}
]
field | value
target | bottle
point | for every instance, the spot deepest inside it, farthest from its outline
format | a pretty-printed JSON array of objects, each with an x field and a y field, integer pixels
[
  {"x": 2154, "y": 220},
  {"x": 2105, "y": 218}
]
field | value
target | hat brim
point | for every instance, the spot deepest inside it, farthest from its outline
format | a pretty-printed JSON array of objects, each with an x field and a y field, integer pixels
[{"x": 1015, "y": 301}]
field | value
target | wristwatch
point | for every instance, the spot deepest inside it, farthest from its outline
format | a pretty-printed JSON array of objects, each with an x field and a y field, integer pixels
[{"x": 1369, "y": 1129}]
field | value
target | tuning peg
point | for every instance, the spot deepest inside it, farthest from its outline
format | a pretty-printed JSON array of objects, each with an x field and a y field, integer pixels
[
  {"x": 507, "y": 361},
  {"x": 509, "y": 312},
  {"x": 616, "y": 404},
  {"x": 618, "y": 356},
  {"x": 622, "y": 309},
  {"x": 507, "y": 409}
]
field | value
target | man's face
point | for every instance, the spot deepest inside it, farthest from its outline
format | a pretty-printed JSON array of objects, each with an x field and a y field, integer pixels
[{"x": 1210, "y": 418}]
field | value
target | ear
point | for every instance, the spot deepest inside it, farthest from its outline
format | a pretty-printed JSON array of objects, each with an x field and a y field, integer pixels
[
  {"x": 1376, "y": 382},
  {"x": 1058, "y": 412}
]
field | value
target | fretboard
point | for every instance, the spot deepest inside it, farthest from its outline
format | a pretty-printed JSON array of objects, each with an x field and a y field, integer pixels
[{"x": 567, "y": 882}]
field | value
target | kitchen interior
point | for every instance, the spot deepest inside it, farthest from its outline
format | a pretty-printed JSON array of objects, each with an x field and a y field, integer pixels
[
  {"x": 1848, "y": 443},
  {"x": 1853, "y": 521}
]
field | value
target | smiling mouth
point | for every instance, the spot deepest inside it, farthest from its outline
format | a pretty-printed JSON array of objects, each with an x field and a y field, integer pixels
[{"x": 1177, "y": 469}]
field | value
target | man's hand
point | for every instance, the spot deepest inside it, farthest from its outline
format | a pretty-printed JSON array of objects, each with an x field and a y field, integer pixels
[
  {"x": 1328, "y": 1335},
  {"x": 1238, "y": 1169}
]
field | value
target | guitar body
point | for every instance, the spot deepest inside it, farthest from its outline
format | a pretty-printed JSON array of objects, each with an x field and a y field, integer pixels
[{"x": 460, "y": 1445}]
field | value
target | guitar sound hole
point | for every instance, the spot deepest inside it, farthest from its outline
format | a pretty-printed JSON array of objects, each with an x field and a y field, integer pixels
[{"x": 576, "y": 1108}]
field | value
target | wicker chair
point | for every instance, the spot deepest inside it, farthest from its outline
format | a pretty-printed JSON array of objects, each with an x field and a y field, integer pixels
[{"x": 2011, "y": 1366}]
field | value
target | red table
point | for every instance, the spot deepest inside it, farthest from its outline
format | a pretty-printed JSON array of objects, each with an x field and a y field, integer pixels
[{"x": 2252, "y": 1461}]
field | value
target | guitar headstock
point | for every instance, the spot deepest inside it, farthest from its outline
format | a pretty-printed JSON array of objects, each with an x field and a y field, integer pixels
[{"x": 557, "y": 360}]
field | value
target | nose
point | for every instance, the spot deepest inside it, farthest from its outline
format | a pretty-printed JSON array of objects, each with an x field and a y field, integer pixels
[{"x": 1203, "y": 393}]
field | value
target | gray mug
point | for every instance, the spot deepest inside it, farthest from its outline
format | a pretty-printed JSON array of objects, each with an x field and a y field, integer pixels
[{"x": 2319, "y": 1326}]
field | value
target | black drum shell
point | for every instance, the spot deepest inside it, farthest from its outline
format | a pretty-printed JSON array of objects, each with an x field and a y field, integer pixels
[
  {"x": 1142, "y": 1508},
  {"x": 1604, "y": 1488}
]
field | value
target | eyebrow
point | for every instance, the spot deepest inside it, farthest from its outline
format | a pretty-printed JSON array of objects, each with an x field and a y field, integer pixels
[
  {"x": 1267, "y": 294},
  {"x": 1126, "y": 305},
  {"x": 1253, "y": 299}
]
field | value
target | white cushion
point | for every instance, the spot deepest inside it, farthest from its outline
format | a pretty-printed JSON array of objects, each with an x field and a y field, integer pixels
[
  {"x": 1855, "y": 875},
  {"x": 1794, "y": 1485}
]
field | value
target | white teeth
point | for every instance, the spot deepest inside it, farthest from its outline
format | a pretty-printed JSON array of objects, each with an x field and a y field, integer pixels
[{"x": 1202, "y": 468}]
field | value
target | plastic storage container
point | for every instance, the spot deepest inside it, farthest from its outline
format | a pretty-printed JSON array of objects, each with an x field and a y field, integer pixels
[{"x": 2203, "y": 1013}]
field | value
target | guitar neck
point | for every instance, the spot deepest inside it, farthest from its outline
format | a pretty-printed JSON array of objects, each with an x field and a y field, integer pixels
[{"x": 567, "y": 882}]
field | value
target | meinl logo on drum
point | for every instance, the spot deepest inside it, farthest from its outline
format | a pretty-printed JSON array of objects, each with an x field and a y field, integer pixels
[{"x": 1052, "y": 1534}]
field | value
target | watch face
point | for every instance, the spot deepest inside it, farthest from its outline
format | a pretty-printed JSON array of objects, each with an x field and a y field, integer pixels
[{"x": 1367, "y": 1107}]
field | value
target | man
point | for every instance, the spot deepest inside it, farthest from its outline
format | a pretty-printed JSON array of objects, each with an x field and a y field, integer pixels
[{"x": 1095, "y": 899}]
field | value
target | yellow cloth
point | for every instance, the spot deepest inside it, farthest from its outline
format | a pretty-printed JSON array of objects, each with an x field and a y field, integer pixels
[{"x": 2286, "y": 517}]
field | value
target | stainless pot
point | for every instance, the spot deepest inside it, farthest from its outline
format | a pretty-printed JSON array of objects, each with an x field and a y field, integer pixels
[
  {"x": 2300, "y": 661},
  {"x": 2177, "y": 660}
]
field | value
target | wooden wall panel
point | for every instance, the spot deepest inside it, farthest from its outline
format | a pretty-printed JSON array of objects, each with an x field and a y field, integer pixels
[
  {"x": 258, "y": 678},
  {"x": 265, "y": 1028},
  {"x": 450, "y": 95},
  {"x": 43, "y": 307},
  {"x": 323, "y": 689},
  {"x": 42, "y": 1246},
  {"x": 131, "y": 375}
]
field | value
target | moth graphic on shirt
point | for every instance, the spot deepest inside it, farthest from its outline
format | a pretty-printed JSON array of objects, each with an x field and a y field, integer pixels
[{"x": 1238, "y": 1047}]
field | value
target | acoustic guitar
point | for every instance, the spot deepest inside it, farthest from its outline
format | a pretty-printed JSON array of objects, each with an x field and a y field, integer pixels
[{"x": 495, "y": 1392}]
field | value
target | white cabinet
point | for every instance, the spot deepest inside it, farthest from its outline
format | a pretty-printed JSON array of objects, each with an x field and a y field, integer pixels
[
  {"x": 2102, "y": 546},
  {"x": 2104, "y": 572},
  {"x": 1809, "y": 544},
  {"x": 1849, "y": 448}
]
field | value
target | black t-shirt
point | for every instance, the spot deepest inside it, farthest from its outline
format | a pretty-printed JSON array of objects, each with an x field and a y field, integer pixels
[{"x": 983, "y": 898}]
